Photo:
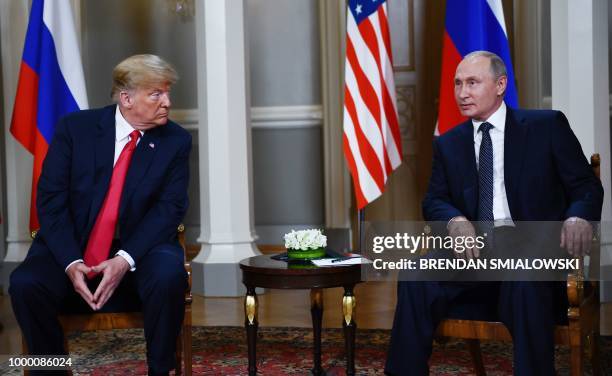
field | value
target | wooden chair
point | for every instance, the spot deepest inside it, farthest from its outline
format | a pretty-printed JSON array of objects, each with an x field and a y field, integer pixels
[
  {"x": 129, "y": 320},
  {"x": 581, "y": 333}
]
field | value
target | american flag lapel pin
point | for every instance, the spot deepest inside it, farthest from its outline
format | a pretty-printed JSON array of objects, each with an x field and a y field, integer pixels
[{"x": 151, "y": 145}]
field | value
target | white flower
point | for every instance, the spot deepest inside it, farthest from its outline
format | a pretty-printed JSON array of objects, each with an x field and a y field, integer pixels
[{"x": 305, "y": 239}]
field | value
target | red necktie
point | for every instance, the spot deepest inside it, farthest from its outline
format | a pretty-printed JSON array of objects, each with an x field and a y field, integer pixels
[{"x": 101, "y": 237}]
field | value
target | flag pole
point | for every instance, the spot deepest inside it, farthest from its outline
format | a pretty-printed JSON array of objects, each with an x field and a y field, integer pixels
[
  {"x": 360, "y": 223},
  {"x": 368, "y": 169}
]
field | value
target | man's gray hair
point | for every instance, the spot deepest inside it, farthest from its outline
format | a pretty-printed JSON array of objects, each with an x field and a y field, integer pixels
[
  {"x": 140, "y": 71},
  {"x": 498, "y": 68}
]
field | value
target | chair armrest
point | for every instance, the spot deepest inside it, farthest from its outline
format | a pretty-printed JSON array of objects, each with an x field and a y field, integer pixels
[
  {"x": 575, "y": 287},
  {"x": 188, "y": 296},
  {"x": 181, "y": 238}
]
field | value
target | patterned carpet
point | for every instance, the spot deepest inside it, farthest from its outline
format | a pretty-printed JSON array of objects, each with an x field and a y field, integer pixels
[{"x": 284, "y": 351}]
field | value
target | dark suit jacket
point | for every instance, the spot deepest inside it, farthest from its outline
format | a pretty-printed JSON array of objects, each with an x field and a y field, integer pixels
[
  {"x": 76, "y": 174},
  {"x": 547, "y": 176}
]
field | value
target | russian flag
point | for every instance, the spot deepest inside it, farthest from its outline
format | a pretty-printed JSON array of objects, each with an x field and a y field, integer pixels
[
  {"x": 471, "y": 25},
  {"x": 51, "y": 82}
]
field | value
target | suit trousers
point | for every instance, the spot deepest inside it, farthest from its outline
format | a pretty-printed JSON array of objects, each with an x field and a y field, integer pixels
[
  {"x": 526, "y": 308},
  {"x": 40, "y": 290}
]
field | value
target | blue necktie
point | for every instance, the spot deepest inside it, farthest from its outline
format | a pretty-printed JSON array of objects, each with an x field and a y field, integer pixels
[{"x": 485, "y": 175}]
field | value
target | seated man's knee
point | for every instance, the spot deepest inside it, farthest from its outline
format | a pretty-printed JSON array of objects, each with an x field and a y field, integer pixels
[
  {"x": 23, "y": 284},
  {"x": 162, "y": 271},
  {"x": 416, "y": 288},
  {"x": 171, "y": 277},
  {"x": 530, "y": 288},
  {"x": 516, "y": 295}
]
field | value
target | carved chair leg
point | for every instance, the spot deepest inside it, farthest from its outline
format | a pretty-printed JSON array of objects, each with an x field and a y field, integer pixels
[
  {"x": 179, "y": 354},
  {"x": 576, "y": 360},
  {"x": 24, "y": 351},
  {"x": 474, "y": 346},
  {"x": 187, "y": 355},
  {"x": 594, "y": 354}
]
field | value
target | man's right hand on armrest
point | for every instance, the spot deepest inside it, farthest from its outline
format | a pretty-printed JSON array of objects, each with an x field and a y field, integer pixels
[
  {"x": 461, "y": 226},
  {"x": 77, "y": 272}
]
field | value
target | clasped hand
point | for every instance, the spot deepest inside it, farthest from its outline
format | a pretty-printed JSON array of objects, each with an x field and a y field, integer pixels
[{"x": 112, "y": 272}]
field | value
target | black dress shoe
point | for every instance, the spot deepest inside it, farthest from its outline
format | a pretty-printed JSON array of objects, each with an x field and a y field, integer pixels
[{"x": 153, "y": 373}]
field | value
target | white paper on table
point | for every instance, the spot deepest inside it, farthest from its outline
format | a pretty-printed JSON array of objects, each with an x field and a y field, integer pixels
[{"x": 350, "y": 261}]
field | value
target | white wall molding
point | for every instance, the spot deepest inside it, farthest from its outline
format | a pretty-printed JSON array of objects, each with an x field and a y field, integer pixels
[
  {"x": 547, "y": 101},
  {"x": 287, "y": 117},
  {"x": 268, "y": 117},
  {"x": 187, "y": 118},
  {"x": 284, "y": 117}
]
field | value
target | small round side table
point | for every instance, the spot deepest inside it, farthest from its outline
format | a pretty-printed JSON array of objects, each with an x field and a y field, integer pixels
[{"x": 263, "y": 271}]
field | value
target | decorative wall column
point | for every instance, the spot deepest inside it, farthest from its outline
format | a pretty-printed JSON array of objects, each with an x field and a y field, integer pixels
[
  {"x": 579, "y": 32},
  {"x": 332, "y": 21},
  {"x": 226, "y": 206},
  {"x": 13, "y": 23},
  {"x": 528, "y": 66}
]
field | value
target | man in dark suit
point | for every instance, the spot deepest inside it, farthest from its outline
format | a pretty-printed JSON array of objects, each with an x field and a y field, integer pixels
[
  {"x": 502, "y": 166},
  {"x": 111, "y": 195}
]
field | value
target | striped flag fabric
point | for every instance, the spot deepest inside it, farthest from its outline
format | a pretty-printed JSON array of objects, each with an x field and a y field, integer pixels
[
  {"x": 51, "y": 82},
  {"x": 371, "y": 141},
  {"x": 471, "y": 25}
]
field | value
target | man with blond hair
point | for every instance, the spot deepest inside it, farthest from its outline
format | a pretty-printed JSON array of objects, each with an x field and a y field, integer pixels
[{"x": 111, "y": 195}]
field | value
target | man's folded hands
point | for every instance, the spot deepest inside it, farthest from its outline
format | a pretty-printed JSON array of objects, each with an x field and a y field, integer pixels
[{"x": 112, "y": 272}]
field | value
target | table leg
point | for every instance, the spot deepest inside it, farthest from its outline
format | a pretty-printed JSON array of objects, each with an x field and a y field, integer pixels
[
  {"x": 349, "y": 326},
  {"x": 250, "y": 323},
  {"x": 316, "y": 311}
]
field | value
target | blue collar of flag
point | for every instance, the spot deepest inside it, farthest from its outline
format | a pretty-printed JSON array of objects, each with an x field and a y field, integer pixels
[{"x": 362, "y": 9}]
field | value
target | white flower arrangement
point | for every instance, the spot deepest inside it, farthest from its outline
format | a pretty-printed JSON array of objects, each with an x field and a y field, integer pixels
[{"x": 305, "y": 240}]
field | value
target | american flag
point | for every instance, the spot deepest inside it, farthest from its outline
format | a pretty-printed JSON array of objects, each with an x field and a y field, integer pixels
[{"x": 371, "y": 142}]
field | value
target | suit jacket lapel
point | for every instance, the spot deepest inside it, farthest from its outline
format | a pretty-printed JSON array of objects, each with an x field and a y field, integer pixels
[
  {"x": 467, "y": 167},
  {"x": 141, "y": 160},
  {"x": 104, "y": 154},
  {"x": 514, "y": 151}
]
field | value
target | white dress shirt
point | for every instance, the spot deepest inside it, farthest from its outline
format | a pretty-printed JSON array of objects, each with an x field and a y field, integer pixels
[
  {"x": 122, "y": 137},
  {"x": 501, "y": 210}
]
